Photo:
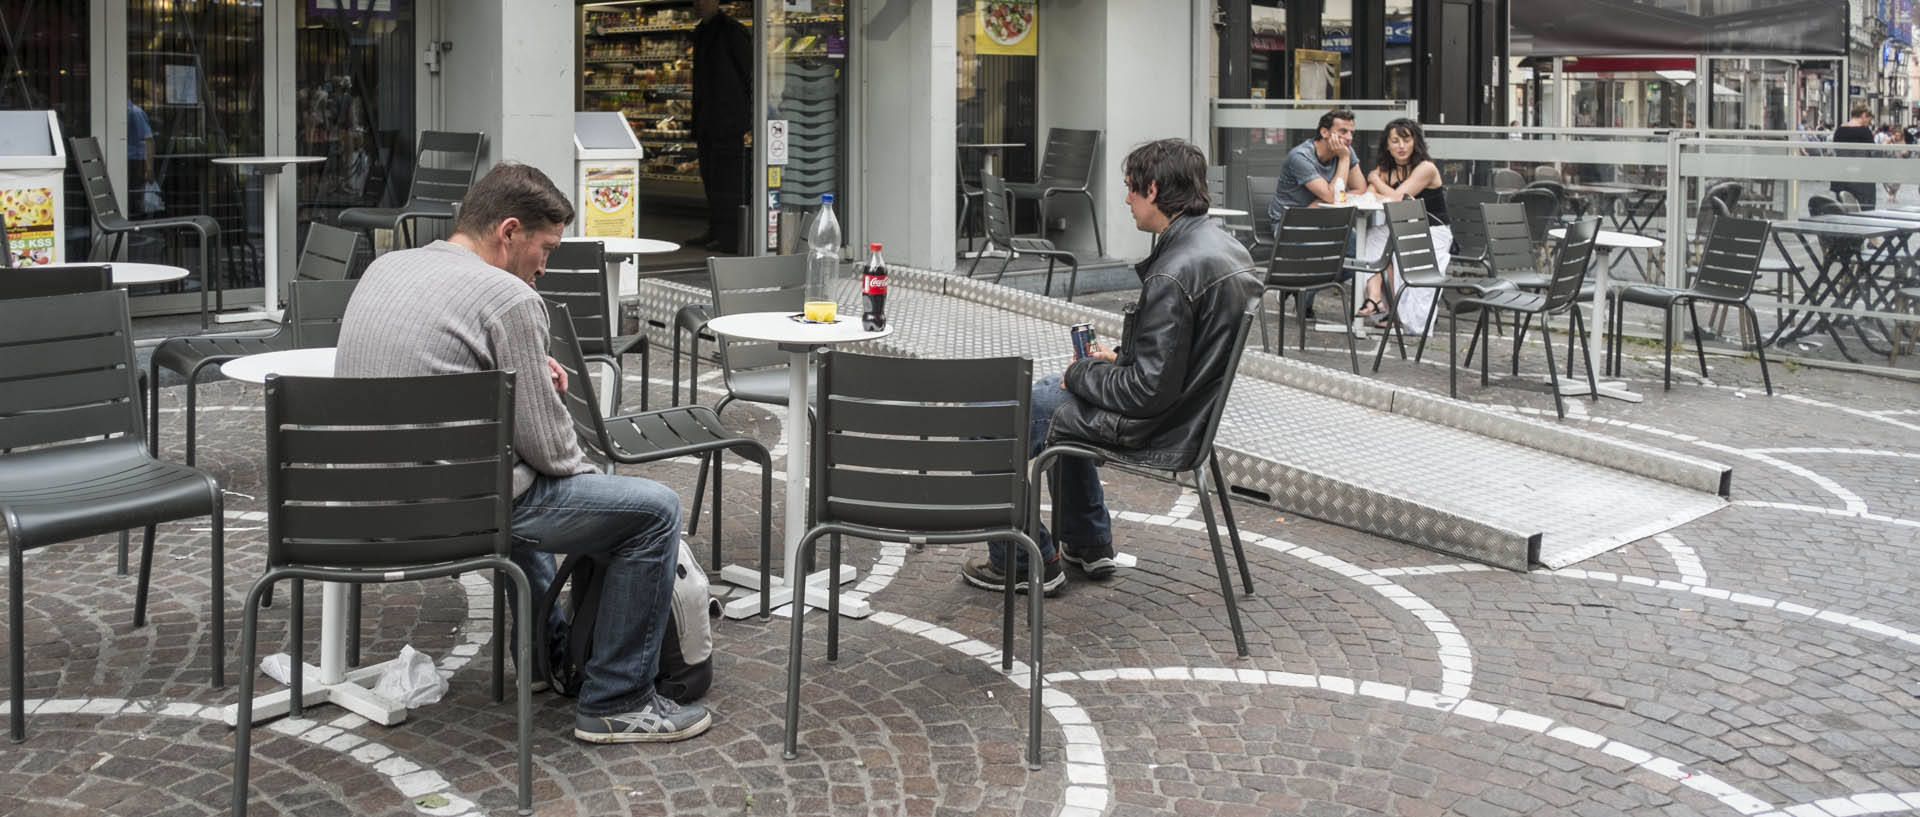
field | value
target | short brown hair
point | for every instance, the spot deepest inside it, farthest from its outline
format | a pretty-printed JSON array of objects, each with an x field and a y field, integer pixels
[
  {"x": 512, "y": 190},
  {"x": 1173, "y": 167},
  {"x": 1326, "y": 119},
  {"x": 1860, "y": 111}
]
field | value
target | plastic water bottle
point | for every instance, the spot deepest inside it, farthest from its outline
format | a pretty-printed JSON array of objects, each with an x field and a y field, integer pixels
[
  {"x": 823, "y": 263},
  {"x": 1340, "y": 190}
]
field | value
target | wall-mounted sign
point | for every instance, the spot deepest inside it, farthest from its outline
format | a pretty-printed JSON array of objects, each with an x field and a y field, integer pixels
[
  {"x": 1006, "y": 27},
  {"x": 612, "y": 191},
  {"x": 776, "y": 141}
]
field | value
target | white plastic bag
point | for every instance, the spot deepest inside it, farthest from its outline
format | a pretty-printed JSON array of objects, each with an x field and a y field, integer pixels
[{"x": 411, "y": 679}]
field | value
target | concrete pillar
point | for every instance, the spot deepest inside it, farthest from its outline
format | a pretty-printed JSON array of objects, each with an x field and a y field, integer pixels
[
  {"x": 509, "y": 74},
  {"x": 903, "y": 166}
]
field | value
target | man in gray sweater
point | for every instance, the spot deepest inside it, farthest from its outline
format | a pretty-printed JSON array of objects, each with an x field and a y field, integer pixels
[{"x": 468, "y": 304}]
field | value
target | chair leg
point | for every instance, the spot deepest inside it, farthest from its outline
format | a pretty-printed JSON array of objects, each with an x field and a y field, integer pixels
[
  {"x": 1479, "y": 330},
  {"x": 16, "y": 639},
  {"x": 766, "y": 533},
  {"x": 1453, "y": 359},
  {"x": 353, "y": 626},
  {"x": 1260, "y": 317},
  {"x": 699, "y": 490},
  {"x": 1280, "y": 322},
  {"x": 523, "y": 644},
  {"x": 833, "y": 598},
  {"x": 296, "y": 647},
  {"x": 1035, "y": 644},
  {"x": 1699, "y": 345},
  {"x": 1220, "y": 565},
  {"x": 193, "y": 399},
  {"x": 1760, "y": 346},
  {"x": 1353, "y": 355},
  {"x": 1666, "y": 346},
  {"x": 1581, "y": 334},
  {"x": 795, "y": 657},
  {"x": 1093, "y": 213},
  {"x": 1473, "y": 340},
  {"x": 153, "y": 410},
  {"x": 1003, "y": 267},
  {"x": 1046, "y": 288},
  {"x": 1233, "y": 530},
  {"x": 1073, "y": 279},
  {"x": 499, "y": 637},
  {"x": 243, "y": 720},
  {"x": 1553, "y": 372},
  {"x": 146, "y": 574},
  {"x": 717, "y": 546}
]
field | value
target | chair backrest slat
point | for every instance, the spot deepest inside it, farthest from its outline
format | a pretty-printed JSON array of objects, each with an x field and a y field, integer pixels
[
  {"x": 1410, "y": 238},
  {"x": 328, "y": 253},
  {"x": 1509, "y": 239},
  {"x": 95, "y": 184},
  {"x": 1311, "y": 246},
  {"x": 1571, "y": 256},
  {"x": 773, "y": 283},
  {"x": 1070, "y": 156},
  {"x": 70, "y": 358},
  {"x": 997, "y": 213},
  {"x": 48, "y": 281},
  {"x": 1259, "y": 194},
  {"x": 1731, "y": 261},
  {"x": 583, "y": 406},
  {"x": 1469, "y": 221},
  {"x": 316, "y": 310},
  {"x": 922, "y": 469},
  {"x": 1216, "y": 406},
  {"x": 383, "y": 431},
  {"x": 444, "y": 166},
  {"x": 577, "y": 276},
  {"x": 1542, "y": 208}
]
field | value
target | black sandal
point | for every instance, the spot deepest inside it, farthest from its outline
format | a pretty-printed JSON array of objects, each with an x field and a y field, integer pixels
[{"x": 1378, "y": 308}]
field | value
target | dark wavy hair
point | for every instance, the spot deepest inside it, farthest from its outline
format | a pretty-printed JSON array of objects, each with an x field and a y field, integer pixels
[
  {"x": 1383, "y": 158},
  {"x": 512, "y": 190},
  {"x": 1177, "y": 169}
]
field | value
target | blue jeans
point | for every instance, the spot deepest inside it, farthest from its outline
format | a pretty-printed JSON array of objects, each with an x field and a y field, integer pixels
[
  {"x": 633, "y": 524},
  {"x": 1078, "y": 502}
]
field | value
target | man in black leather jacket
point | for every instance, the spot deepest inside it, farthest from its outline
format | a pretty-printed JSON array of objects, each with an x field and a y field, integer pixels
[{"x": 1147, "y": 395}]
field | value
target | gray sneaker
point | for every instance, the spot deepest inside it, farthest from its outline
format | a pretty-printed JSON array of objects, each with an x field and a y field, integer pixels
[
  {"x": 660, "y": 721},
  {"x": 1094, "y": 560}
]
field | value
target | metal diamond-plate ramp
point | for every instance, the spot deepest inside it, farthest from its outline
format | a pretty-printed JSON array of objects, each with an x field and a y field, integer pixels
[{"x": 1408, "y": 465}]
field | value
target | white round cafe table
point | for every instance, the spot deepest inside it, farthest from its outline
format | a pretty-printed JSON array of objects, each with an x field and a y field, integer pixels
[
  {"x": 1225, "y": 212},
  {"x": 270, "y": 167},
  {"x": 1607, "y": 241},
  {"x": 798, "y": 339},
  {"x": 317, "y": 362},
  {"x": 628, "y": 246}
]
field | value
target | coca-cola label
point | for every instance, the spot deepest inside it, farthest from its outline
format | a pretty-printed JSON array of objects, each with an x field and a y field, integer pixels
[{"x": 873, "y": 284}]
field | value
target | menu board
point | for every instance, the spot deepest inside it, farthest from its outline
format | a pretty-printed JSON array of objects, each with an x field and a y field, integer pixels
[
  {"x": 613, "y": 191},
  {"x": 30, "y": 211}
]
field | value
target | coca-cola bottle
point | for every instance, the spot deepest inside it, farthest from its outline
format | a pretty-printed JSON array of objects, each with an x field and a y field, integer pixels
[{"x": 873, "y": 287}]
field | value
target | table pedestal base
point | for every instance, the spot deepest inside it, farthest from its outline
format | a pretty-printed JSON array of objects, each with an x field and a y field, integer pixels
[
  {"x": 1614, "y": 389},
  {"x": 352, "y": 693},
  {"x": 749, "y": 605}
]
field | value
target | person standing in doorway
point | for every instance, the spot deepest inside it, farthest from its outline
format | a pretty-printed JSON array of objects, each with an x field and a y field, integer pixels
[
  {"x": 1858, "y": 130},
  {"x": 722, "y": 117}
]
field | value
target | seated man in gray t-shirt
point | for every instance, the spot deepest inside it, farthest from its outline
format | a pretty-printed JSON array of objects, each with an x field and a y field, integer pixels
[{"x": 1307, "y": 178}]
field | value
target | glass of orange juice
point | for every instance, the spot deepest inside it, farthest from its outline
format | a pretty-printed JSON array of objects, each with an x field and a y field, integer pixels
[{"x": 822, "y": 311}]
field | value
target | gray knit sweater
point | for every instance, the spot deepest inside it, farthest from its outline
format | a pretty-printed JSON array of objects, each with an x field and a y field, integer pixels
[{"x": 440, "y": 309}]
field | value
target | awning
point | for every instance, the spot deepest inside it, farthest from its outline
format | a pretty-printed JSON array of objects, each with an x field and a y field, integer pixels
[{"x": 1562, "y": 28}]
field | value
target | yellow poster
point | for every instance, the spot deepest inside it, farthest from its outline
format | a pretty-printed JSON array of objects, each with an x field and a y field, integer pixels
[
  {"x": 613, "y": 192},
  {"x": 29, "y": 212},
  {"x": 1007, "y": 27}
]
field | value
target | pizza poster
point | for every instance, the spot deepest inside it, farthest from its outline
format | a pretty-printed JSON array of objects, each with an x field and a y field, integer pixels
[
  {"x": 1006, "y": 27},
  {"x": 30, "y": 214},
  {"x": 613, "y": 192}
]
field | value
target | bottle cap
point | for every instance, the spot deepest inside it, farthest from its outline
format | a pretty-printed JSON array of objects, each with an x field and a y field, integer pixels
[
  {"x": 874, "y": 247},
  {"x": 826, "y": 199}
]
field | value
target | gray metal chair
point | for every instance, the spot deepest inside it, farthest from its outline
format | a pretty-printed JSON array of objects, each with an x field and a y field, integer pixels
[
  {"x": 75, "y": 466},
  {"x": 1410, "y": 246},
  {"x": 46, "y": 282},
  {"x": 1259, "y": 193},
  {"x": 443, "y": 168},
  {"x": 314, "y": 311},
  {"x": 921, "y": 451},
  {"x": 1572, "y": 255},
  {"x": 668, "y": 433},
  {"x": 577, "y": 276},
  {"x": 999, "y": 220},
  {"x": 1309, "y": 254},
  {"x": 1728, "y": 268},
  {"x": 1507, "y": 180},
  {"x": 754, "y": 371},
  {"x": 384, "y": 480},
  {"x": 1204, "y": 461},
  {"x": 1065, "y": 169},
  {"x": 328, "y": 253},
  {"x": 104, "y": 207},
  {"x": 1469, "y": 224}
]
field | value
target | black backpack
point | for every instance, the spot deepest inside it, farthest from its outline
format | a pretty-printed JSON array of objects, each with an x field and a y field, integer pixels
[{"x": 686, "y": 652}]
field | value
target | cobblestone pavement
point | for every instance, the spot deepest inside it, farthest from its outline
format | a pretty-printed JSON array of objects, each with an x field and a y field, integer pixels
[{"x": 1760, "y": 660}]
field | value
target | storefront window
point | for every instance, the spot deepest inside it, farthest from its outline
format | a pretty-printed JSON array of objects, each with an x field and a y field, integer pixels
[
  {"x": 995, "y": 97},
  {"x": 1270, "y": 70},
  {"x": 195, "y": 81},
  {"x": 806, "y": 79},
  {"x": 355, "y": 104},
  {"x": 45, "y": 46},
  {"x": 1399, "y": 61}
]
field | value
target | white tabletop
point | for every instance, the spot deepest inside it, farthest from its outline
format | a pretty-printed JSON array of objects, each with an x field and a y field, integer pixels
[
  {"x": 1609, "y": 238},
  {"x": 268, "y": 160},
  {"x": 786, "y": 327},
  {"x": 296, "y": 362},
  {"x": 628, "y": 246},
  {"x": 1365, "y": 201},
  {"x": 1218, "y": 212}
]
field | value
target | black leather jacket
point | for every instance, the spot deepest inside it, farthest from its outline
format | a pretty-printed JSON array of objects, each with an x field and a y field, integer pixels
[{"x": 1151, "y": 400}]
